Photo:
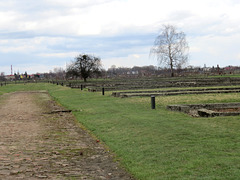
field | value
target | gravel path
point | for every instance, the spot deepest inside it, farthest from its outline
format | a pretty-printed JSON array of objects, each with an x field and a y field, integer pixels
[{"x": 38, "y": 143}]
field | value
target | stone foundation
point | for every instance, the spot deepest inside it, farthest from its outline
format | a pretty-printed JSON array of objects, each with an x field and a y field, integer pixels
[{"x": 208, "y": 110}]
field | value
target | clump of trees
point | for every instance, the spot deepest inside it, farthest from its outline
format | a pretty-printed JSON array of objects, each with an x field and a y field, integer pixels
[
  {"x": 170, "y": 48},
  {"x": 84, "y": 66},
  {"x": 2, "y": 76}
]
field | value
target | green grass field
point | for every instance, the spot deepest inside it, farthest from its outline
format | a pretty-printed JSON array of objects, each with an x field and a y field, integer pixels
[{"x": 156, "y": 144}]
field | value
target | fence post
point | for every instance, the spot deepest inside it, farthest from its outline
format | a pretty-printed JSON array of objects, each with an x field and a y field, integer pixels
[
  {"x": 153, "y": 102},
  {"x": 103, "y": 91}
]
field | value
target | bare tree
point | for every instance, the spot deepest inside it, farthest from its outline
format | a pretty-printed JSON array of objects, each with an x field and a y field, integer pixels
[
  {"x": 59, "y": 73},
  {"x": 85, "y": 66},
  {"x": 170, "y": 47},
  {"x": 2, "y": 76}
]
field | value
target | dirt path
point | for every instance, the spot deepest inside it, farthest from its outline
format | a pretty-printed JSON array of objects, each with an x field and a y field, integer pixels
[{"x": 38, "y": 144}]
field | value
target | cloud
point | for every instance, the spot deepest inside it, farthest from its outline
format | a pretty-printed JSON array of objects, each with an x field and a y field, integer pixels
[
  {"x": 136, "y": 56},
  {"x": 212, "y": 50},
  {"x": 28, "y": 45},
  {"x": 105, "y": 17},
  {"x": 59, "y": 55},
  {"x": 131, "y": 60},
  {"x": 119, "y": 31}
]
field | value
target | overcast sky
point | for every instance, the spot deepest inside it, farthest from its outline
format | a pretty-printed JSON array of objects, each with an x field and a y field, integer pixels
[{"x": 39, "y": 35}]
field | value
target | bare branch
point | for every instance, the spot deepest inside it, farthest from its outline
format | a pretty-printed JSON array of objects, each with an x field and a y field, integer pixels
[
  {"x": 170, "y": 47},
  {"x": 84, "y": 66}
]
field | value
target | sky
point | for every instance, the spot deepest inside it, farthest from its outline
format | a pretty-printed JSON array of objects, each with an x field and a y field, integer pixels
[{"x": 40, "y": 35}]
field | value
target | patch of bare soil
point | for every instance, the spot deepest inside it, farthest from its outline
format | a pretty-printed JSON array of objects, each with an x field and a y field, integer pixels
[{"x": 38, "y": 144}]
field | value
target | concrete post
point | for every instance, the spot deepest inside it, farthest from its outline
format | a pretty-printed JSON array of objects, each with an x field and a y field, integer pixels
[
  {"x": 153, "y": 102},
  {"x": 103, "y": 91}
]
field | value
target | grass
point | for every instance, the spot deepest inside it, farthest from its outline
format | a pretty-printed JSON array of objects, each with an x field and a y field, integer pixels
[
  {"x": 226, "y": 75},
  {"x": 156, "y": 144}
]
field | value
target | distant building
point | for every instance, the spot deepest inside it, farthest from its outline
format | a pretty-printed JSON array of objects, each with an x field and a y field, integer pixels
[{"x": 10, "y": 77}]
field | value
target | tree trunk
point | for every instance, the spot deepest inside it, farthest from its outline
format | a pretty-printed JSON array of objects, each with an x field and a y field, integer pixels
[{"x": 171, "y": 66}]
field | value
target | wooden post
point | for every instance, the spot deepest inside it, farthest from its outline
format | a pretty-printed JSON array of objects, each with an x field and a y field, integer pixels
[
  {"x": 103, "y": 91},
  {"x": 153, "y": 102}
]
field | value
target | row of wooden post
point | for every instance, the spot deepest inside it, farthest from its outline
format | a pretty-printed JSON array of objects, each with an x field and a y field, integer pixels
[
  {"x": 4, "y": 83},
  {"x": 153, "y": 104}
]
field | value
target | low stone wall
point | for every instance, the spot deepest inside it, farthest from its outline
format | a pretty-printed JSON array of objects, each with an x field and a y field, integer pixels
[
  {"x": 155, "y": 83},
  {"x": 206, "y": 110},
  {"x": 176, "y": 92}
]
